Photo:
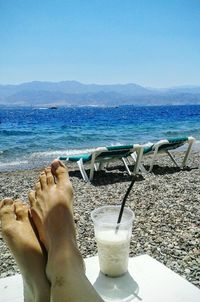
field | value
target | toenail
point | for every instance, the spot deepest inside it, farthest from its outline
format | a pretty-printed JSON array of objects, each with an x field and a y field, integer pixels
[
  {"x": 55, "y": 165},
  {"x": 7, "y": 201}
]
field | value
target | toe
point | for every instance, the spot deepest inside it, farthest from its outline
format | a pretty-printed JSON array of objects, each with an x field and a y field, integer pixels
[
  {"x": 50, "y": 177},
  {"x": 59, "y": 170},
  {"x": 31, "y": 197},
  {"x": 43, "y": 180},
  {"x": 6, "y": 202},
  {"x": 7, "y": 213},
  {"x": 38, "y": 190},
  {"x": 21, "y": 210}
]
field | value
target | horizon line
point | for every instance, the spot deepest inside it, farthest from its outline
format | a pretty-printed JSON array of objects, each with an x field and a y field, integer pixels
[{"x": 103, "y": 84}]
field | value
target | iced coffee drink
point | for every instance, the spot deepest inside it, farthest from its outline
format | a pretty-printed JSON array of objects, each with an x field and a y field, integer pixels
[{"x": 113, "y": 240}]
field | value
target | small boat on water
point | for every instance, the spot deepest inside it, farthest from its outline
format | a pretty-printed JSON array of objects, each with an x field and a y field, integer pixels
[{"x": 53, "y": 107}]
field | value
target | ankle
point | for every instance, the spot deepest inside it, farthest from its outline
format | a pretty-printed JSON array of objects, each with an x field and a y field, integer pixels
[
  {"x": 64, "y": 261},
  {"x": 36, "y": 292},
  {"x": 36, "y": 288}
]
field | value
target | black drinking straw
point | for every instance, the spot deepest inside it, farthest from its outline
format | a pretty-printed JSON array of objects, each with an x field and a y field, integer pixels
[{"x": 123, "y": 203}]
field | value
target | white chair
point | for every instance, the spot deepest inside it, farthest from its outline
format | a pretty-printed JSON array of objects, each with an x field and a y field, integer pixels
[
  {"x": 102, "y": 156},
  {"x": 147, "y": 280},
  {"x": 165, "y": 146}
]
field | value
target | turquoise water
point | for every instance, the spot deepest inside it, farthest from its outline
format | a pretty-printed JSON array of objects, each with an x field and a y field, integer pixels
[{"x": 31, "y": 137}]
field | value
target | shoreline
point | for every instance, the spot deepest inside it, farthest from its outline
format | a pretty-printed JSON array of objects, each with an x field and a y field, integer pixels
[
  {"x": 39, "y": 160},
  {"x": 166, "y": 206}
]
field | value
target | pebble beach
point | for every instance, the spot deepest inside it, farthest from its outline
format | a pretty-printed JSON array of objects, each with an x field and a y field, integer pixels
[{"x": 166, "y": 204}]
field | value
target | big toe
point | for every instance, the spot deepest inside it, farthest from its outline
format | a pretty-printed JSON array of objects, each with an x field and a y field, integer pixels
[
  {"x": 7, "y": 214},
  {"x": 21, "y": 210},
  {"x": 59, "y": 170}
]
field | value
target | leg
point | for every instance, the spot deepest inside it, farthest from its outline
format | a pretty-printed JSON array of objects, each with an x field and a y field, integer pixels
[
  {"x": 191, "y": 140},
  {"x": 21, "y": 239},
  {"x": 82, "y": 170},
  {"x": 52, "y": 212}
]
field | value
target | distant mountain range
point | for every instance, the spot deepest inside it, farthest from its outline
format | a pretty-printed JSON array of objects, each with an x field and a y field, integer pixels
[{"x": 72, "y": 93}]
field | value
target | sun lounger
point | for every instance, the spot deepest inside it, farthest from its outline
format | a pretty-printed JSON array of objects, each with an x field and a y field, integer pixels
[
  {"x": 102, "y": 156},
  {"x": 165, "y": 146},
  {"x": 147, "y": 280}
]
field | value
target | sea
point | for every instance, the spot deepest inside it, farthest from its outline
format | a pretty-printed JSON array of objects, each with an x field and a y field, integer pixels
[{"x": 33, "y": 137}]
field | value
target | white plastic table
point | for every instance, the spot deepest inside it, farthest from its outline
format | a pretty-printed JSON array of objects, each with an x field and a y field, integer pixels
[{"x": 147, "y": 280}]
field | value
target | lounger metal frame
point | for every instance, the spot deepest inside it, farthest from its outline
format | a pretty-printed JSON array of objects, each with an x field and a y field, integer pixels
[
  {"x": 165, "y": 146},
  {"x": 102, "y": 156}
]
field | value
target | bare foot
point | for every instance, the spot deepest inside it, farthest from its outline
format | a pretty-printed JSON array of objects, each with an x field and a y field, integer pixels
[
  {"x": 52, "y": 212},
  {"x": 20, "y": 237}
]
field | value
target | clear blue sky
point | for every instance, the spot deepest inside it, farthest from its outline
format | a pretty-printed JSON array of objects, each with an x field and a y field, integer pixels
[{"x": 149, "y": 42}]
